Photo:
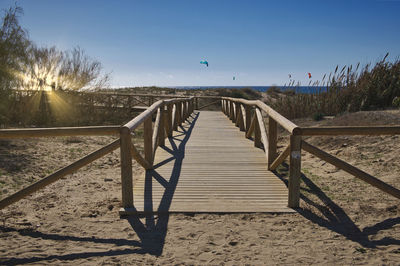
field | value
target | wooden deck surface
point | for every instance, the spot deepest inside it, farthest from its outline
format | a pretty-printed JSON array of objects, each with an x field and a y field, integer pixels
[{"x": 209, "y": 166}]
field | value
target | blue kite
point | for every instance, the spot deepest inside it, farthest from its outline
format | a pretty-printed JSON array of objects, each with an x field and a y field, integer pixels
[{"x": 204, "y": 62}]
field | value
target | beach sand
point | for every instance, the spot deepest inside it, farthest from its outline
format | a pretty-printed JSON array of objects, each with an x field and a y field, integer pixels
[{"x": 342, "y": 220}]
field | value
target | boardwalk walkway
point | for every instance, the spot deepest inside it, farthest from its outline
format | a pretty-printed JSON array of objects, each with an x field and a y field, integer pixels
[{"x": 209, "y": 166}]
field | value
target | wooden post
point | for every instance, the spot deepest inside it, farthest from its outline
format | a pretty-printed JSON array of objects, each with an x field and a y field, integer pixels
[
  {"x": 148, "y": 142},
  {"x": 238, "y": 113},
  {"x": 272, "y": 140},
  {"x": 126, "y": 168},
  {"x": 248, "y": 116},
  {"x": 232, "y": 111},
  {"x": 179, "y": 113},
  {"x": 294, "y": 171},
  {"x": 197, "y": 103},
  {"x": 243, "y": 118},
  {"x": 257, "y": 132},
  {"x": 185, "y": 111},
  {"x": 227, "y": 108},
  {"x": 168, "y": 123},
  {"x": 223, "y": 106},
  {"x": 161, "y": 133},
  {"x": 174, "y": 117}
]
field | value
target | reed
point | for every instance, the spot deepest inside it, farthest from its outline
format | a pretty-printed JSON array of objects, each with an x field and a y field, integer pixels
[{"x": 346, "y": 89}]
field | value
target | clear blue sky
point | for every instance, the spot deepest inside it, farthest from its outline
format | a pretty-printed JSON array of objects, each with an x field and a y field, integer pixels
[{"x": 259, "y": 42}]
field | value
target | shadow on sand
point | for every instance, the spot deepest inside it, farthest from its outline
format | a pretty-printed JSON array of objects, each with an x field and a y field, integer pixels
[
  {"x": 151, "y": 233},
  {"x": 334, "y": 218}
]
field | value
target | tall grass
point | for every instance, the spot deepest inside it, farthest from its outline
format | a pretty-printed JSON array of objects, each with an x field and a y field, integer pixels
[{"x": 347, "y": 89}]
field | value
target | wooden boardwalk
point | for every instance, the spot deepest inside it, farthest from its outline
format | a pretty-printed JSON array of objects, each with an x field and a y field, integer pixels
[{"x": 209, "y": 166}]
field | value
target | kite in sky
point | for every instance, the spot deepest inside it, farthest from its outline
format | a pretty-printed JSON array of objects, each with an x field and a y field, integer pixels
[
  {"x": 290, "y": 76},
  {"x": 309, "y": 75},
  {"x": 233, "y": 78},
  {"x": 204, "y": 62}
]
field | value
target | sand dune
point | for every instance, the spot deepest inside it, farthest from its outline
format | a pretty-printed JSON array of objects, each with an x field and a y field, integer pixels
[{"x": 75, "y": 220}]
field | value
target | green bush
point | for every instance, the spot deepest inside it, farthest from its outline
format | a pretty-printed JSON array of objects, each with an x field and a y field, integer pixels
[{"x": 396, "y": 102}]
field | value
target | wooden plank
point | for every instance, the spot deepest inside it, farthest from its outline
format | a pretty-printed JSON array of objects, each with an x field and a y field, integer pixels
[
  {"x": 351, "y": 170},
  {"x": 222, "y": 174},
  {"x": 59, "y": 174}
]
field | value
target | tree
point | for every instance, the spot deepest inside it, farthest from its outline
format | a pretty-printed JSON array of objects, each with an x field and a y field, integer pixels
[{"x": 14, "y": 50}]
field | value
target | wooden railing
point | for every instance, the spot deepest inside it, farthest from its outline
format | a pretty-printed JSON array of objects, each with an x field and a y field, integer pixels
[
  {"x": 247, "y": 115},
  {"x": 138, "y": 101},
  {"x": 169, "y": 115},
  {"x": 57, "y": 132}
]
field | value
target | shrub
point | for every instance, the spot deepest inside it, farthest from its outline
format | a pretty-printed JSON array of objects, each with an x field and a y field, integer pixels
[{"x": 396, "y": 102}]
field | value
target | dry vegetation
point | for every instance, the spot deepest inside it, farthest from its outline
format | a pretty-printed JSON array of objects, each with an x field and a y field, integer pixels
[{"x": 346, "y": 90}]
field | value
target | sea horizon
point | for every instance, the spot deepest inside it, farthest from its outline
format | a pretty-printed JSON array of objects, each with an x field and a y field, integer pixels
[{"x": 300, "y": 89}]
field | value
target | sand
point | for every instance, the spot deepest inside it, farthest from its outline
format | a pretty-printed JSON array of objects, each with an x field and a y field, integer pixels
[{"x": 75, "y": 220}]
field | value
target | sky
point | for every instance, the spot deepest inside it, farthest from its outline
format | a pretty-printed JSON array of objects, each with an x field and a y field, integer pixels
[{"x": 161, "y": 43}]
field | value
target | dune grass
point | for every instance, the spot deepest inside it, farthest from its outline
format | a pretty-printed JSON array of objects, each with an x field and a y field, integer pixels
[{"x": 347, "y": 89}]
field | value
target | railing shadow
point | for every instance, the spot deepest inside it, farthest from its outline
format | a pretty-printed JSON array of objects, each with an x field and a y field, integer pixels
[
  {"x": 334, "y": 218},
  {"x": 72, "y": 256},
  {"x": 153, "y": 231}
]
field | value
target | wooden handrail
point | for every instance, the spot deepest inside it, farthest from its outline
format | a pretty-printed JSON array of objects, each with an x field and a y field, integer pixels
[
  {"x": 59, "y": 131},
  {"x": 351, "y": 169},
  {"x": 138, "y": 120},
  {"x": 351, "y": 130},
  {"x": 283, "y": 121}
]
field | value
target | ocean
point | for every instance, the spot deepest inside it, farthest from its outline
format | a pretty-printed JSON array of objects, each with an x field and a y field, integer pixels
[{"x": 298, "y": 89}]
